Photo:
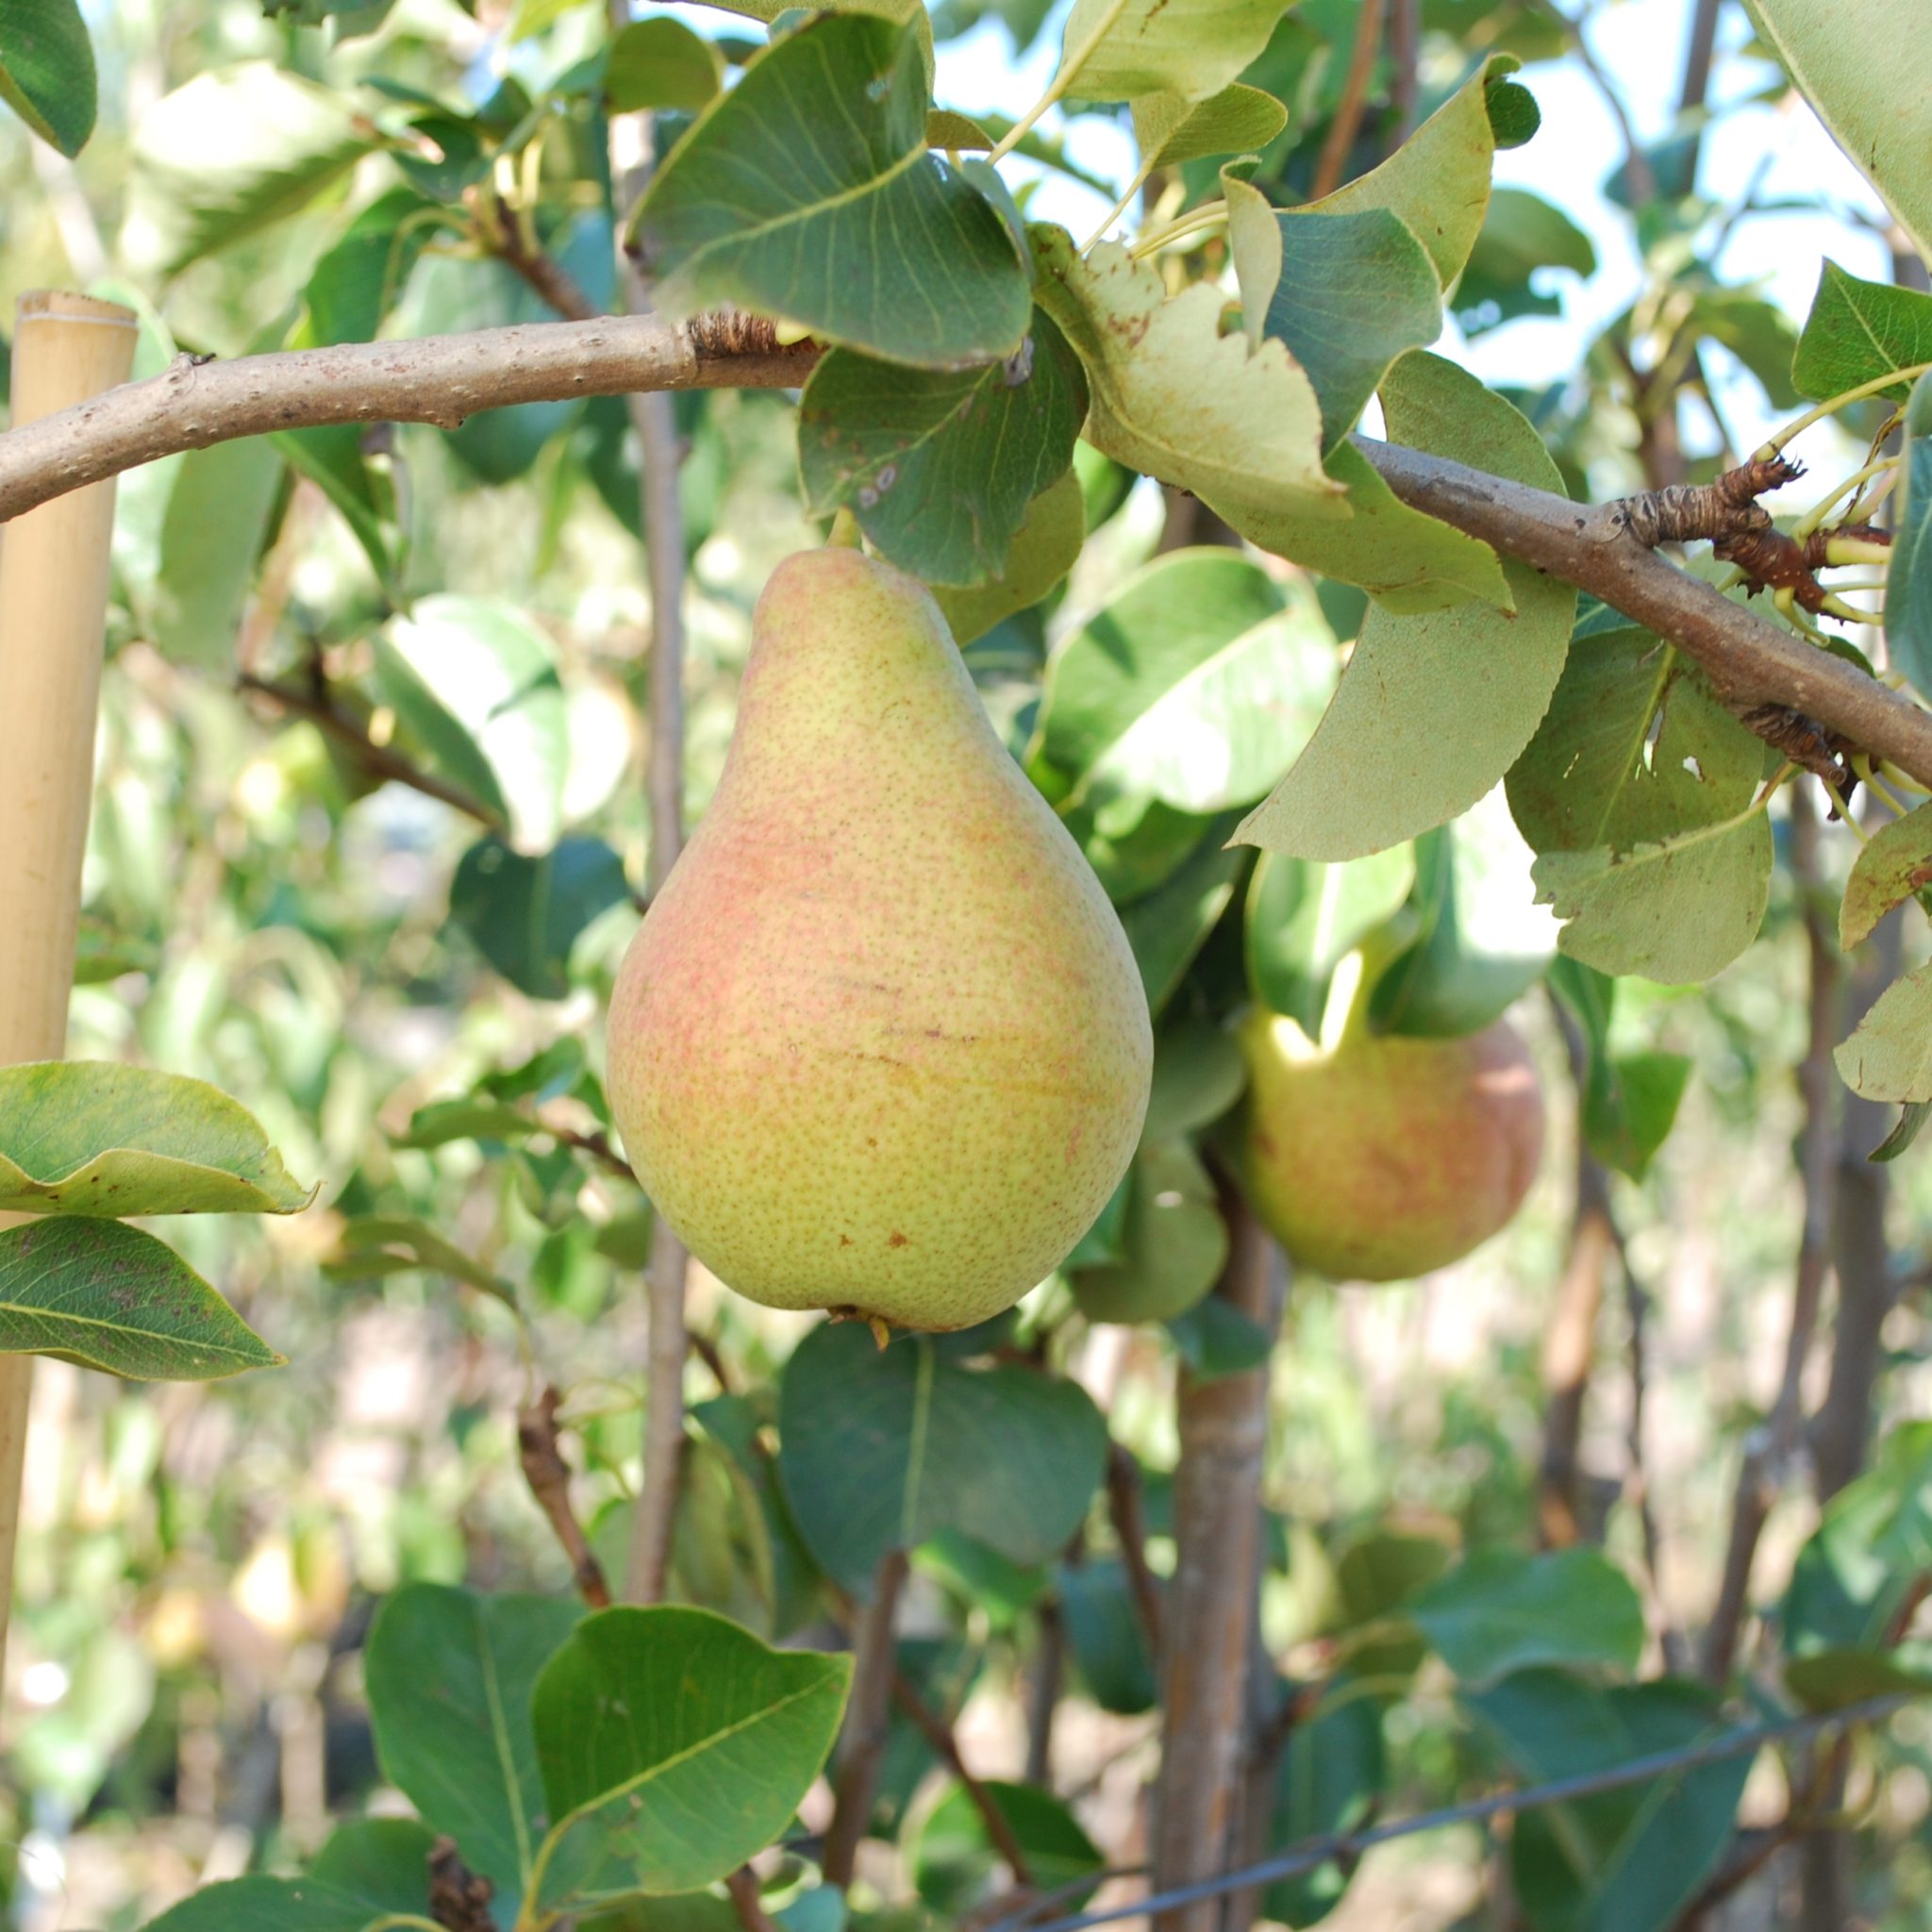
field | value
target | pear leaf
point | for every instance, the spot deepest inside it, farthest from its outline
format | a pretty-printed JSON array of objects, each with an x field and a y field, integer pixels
[
  {"x": 1858, "y": 332},
  {"x": 1347, "y": 293},
  {"x": 1169, "y": 128},
  {"x": 1174, "y": 1242},
  {"x": 47, "y": 70},
  {"x": 808, "y": 193},
  {"x": 106, "y": 1297},
  {"x": 939, "y": 466},
  {"x": 1118, "y": 50},
  {"x": 1889, "y": 1055},
  {"x": 1044, "y": 548},
  {"x": 1894, "y": 866},
  {"x": 881, "y": 1449},
  {"x": 1868, "y": 74},
  {"x": 1407, "y": 561},
  {"x": 1175, "y": 398},
  {"x": 1675, "y": 911},
  {"x": 1438, "y": 181},
  {"x": 1191, "y": 685},
  {"x": 1432, "y": 708},
  {"x": 95, "y": 1137}
]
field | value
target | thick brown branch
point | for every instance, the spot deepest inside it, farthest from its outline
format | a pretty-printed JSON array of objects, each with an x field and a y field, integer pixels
[
  {"x": 438, "y": 379},
  {"x": 1749, "y": 659}
]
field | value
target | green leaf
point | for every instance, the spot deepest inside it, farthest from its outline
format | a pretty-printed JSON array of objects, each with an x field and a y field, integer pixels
[
  {"x": 954, "y": 1861},
  {"x": 1859, "y": 1567},
  {"x": 1407, "y": 561},
  {"x": 660, "y": 65},
  {"x": 1891, "y": 867},
  {"x": 1304, "y": 918},
  {"x": 1192, "y": 684},
  {"x": 881, "y": 1448},
  {"x": 1104, "y": 1636},
  {"x": 1634, "y": 749},
  {"x": 47, "y": 70},
  {"x": 1438, "y": 181},
  {"x": 1044, "y": 548},
  {"x": 808, "y": 193},
  {"x": 1631, "y": 1859},
  {"x": 380, "y": 1245},
  {"x": 486, "y": 668},
  {"x": 1858, "y": 332},
  {"x": 1331, "y": 1773},
  {"x": 450, "y": 1674},
  {"x": 1199, "y": 1073},
  {"x": 1118, "y": 50},
  {"x": 234, "y": 152},
  {"x": 1175, "y": 398},
  {"x": 101, "y": 954},
  {"x": 106, "y": 1297},
  {"x": 218, "y": 511},
  {"x": 1215, "y": 1339},
  {"x": 1348, "y": 293},
  {"x": 1889, "y": 1055},
  {"x": 1432, "y": 708},
  {"x": 1912, "y": 1120},
  {"x": 1868, "y": 76},
  {"x": 360, "y": 278},
  {"x": 1831, "y": 1679},
  {"x": 1174, "y": 1242},
  {"x": 1483, "y": 943},
  {"x": 271, "y": 1905},
  {"x": 1630, "y": 1106},
  {"x": 1675, "y": 911},
  {"x": 1499, "y": 1610},
  {"x": 1909, "y": 575},
  {"x": 1169, "y": 924},
  {"x": 330, "y": 456},
  {"x": 673, "y": 1746},
  {"x": 384, "y": 1861},
  {"x": 1169, "y": 128},
  {"x": 93, "y": 1136},
  {"x": 524, "y": 914},
  {"x": 941, "y": 466},
  {"x": 1521, "y": 234}
]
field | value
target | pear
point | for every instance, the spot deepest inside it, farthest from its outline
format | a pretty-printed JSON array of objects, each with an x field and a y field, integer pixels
[
  {"x": 880, "y": 1045},
  {"x": 1383, "y": 1157}
]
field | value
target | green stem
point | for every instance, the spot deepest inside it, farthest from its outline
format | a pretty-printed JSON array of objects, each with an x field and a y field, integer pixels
[
  {"x": 1071, "y": 64},
  {"x": 1800, "y": 424},
  {"x": 1120, "y": 208},
  {"x": 1208, "y": 215},
  {"x": 1818, "y": 512}
]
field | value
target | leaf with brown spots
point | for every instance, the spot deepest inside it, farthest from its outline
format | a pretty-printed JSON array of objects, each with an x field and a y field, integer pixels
[
  {"x": 1896, "y": 864},
  {"x": 106, "y": 1297}
]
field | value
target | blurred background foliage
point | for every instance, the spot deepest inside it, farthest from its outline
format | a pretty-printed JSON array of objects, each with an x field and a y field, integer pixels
[{"x": 404, "y": 984}]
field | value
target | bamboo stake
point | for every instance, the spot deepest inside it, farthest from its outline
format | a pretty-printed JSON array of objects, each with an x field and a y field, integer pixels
[{"x": 53, "y": 614}]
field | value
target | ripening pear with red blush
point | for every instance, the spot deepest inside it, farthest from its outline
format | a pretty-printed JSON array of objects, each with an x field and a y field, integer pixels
[{"x": 880, "y": 1045}]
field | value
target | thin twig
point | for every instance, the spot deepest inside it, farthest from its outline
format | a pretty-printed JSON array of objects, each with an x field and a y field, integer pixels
[
  {"x": 741, "y": 1888},
  {"x": 1405, "y": 58},
  {"x": 1130, "y": 1531},
  {"x": 552, "y": 282},
  {"x": 939, "y": 1734},
  {"x": 541, "y": 1452},
  {"x": 1350, "y": 1845},
  {"x": 379, "y": 760},
  {"x": 1774, "y": 1443},
  {"x": 863, "y": 1745},
  {"x": 1347, "y": 120}
]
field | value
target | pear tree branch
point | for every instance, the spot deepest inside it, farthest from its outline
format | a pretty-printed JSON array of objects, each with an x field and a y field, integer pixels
[{"x": 442, "y": 379}]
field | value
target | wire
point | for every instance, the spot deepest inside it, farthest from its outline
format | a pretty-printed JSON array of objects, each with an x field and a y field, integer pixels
[{"x": 1305, "y": 1858}]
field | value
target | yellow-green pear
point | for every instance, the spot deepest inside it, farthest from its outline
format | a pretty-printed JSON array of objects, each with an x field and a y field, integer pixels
[
  {"x": 880, "y": 1045},
  {"x": 1379, "y": 1158}
]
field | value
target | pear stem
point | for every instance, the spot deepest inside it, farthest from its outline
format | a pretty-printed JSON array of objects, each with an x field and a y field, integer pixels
[{"x": 845, "y": 533}]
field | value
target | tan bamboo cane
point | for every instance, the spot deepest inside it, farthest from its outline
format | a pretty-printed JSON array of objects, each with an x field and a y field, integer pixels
[{"x": 53, "y": 613}]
